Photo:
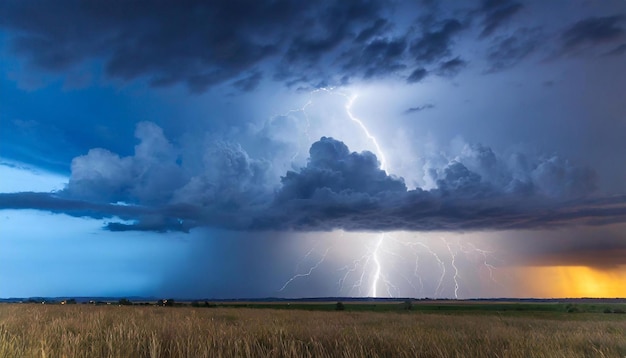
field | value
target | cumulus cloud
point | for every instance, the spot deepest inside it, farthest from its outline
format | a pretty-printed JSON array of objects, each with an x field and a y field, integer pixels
[
  {"x": 336, "y": 189},
  {"x": 229, "y": 181},
  {"x": 477, "y": 189},
  {"x": 149, "y": 176},
  {"x": 332, "y": 167}
]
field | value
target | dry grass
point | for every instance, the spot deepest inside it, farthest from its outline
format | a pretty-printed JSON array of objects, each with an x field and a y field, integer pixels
[{"x": 111, "y": 331}]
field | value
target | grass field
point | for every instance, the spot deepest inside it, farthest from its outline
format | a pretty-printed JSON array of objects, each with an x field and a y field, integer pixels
[{"x": 452, "y": 330}]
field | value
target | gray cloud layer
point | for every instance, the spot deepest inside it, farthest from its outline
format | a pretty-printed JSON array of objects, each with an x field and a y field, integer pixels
[
  {"x": 204, "y": 44},
  {"x": 337, "y": 189},
  {"x": 201, "y": 44}
]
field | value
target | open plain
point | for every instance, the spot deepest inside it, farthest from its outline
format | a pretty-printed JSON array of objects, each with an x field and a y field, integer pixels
[{"x": 314, "y": 330}]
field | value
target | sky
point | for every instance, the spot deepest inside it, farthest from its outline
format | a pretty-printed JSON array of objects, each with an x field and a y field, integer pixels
[{"x": 367, "y": 148}]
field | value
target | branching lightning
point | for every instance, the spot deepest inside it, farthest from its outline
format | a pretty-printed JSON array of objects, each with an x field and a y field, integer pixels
[
  {"x": 378, "y": 268},
  {"x": 379, "y": 151},
  {"x": 455, "y": 278},
  {"x": 378, "y": 265},
  {"x": 308, "y": 273},
  {"x": 485, "y": 257}
]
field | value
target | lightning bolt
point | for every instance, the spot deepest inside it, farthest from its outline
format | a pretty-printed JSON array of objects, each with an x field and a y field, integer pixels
[
  {"x": 440, "y": 263},
  {"x": 378, "y": 267},
  {"x": 306, "y": 274},
  {"x": 485, "y": 256},
  {"x": 356, "y": 264},
  {"x": 379, "y": 151},
  {"x": 383, "y": 166},
  {"x": 370, "y": 267},
  {"x": 456, "y": 269}
]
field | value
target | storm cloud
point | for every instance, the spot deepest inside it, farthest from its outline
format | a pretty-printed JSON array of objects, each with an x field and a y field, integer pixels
[
  {"x": 593, "y": 31},
  {"x": 236, "y": 144},
  {"x": 435, "y": 42},
  {"x": 202, "y": 45},
  {"x": 496, "y": 13},
  {"x": 508, "y": 51},
  {"x": 337, "y": 189}
]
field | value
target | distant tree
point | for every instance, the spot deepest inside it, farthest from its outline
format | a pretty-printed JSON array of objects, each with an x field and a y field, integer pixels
[
  {"x": 124, "y": 302},
  {"x": 407, "y": 305},
  {"x": 339, "y": 306},
  {"x": 71, "y": 301}
]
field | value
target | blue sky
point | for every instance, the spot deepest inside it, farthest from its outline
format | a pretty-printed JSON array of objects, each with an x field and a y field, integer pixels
[{"x": 289, "y": 149}]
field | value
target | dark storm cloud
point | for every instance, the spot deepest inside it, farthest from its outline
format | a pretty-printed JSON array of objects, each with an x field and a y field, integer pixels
[
  {"x": 496, "y": 13},
  {"x": 202, "y": 44},
  {"x": 337, "y": 189},
  {"x": 451, "y": 67},
  {"x": 248, "y": 83},
  {"x": 377, "y": 28},
  {"x": 509, "y": 51},
  {"x": 333, "y": 167},
  {"x": 378, "y": 58},
  {"x": 419, "y": 108},
  {"x": 173, "y": 42},
  {"x": 435, "y": 43},
  {"x": 417, "y": 75},
  {"x": 329, "y": 28},
  {"x": 151, "y": 223},
  {"x": 593, "y": 31},
  {"x": 196, "y": 43},
  {"x": 58, "y": 204},
  {"x": 493, "y": 194},
  {"x": 619, "y": 50}
]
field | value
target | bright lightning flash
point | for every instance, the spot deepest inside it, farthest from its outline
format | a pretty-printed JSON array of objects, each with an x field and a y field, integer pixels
[
  {"x": 378, "y": 267},
  {"x": 374, "y": 256},
  {"x": 379, "y": 151}
]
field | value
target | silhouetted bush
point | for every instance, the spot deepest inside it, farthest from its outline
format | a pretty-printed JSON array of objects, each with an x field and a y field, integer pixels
[
  {"x": 340, "y": 306},
  {"x": 571, "y": 308}
]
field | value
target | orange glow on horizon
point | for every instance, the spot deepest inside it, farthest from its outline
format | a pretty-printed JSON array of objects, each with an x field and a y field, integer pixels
[{"x": 574, "y": 281}]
